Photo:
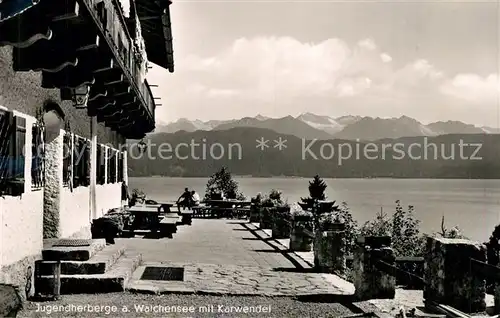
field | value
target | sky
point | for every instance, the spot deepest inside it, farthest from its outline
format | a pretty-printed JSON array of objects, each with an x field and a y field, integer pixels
[{"x": 430, "y": 60}]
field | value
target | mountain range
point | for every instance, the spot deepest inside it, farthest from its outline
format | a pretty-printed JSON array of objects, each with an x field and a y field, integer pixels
[{"x": 311, "y": 126}]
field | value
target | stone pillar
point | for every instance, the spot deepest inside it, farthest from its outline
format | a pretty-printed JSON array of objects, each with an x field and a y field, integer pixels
[
  {"x": 93, "y": 169},
  {"x": 125, "y": 166},
  {"x": 54, "y": 155},
  {"x": 254, "y": 213},
  {"x": 447, "y": 275},
  {"x": 369, "y": 281},
  {"x": 266, "y": 218},
  {"x": 300, "y": 238},
  {"x": 497, "y": 299},
  {"x": 281, "y": 225},
  {"x": 329, "y": 249}
]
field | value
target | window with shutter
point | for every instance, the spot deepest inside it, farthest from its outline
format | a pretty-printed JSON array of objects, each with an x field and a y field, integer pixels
[
  {"x": 81, "y": 162},
  {"x": 12, "y": 153},
  {"x": 101, "y": 164},
  {"x": 38, "y": 155},
  {"x": 119, "y": 171},
  {"x": 68, "y": 155},
  {"x": 112, "y": 166}
]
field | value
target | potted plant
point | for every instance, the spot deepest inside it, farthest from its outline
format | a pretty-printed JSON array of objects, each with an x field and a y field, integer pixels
[
  {"x": 255, "y": 207},
  {"x": 269, "y": 206},
  {"x": 301, "y": 230},
  {"x": 281, "y": 222}
]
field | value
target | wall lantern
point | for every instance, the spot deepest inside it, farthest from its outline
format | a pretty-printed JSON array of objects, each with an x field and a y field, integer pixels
[
  {"x": 81, "y": 96},
  {"x": 142, "y": 146}
]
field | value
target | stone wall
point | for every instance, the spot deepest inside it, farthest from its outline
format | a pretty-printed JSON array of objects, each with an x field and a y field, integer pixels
[
  {"x": 447, "y": 274},
  {"x": 21, "y": 227}
]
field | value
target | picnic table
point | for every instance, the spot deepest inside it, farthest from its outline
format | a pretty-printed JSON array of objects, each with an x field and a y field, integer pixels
[
  {"x": 154, "y": 217},
  {"x": 223, "y": 208},
  {"x": 170, "y": 208},
  {"x": 185, "y": 214}
]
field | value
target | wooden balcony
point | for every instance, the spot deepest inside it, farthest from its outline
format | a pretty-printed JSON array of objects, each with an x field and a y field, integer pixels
[{"x": 86, "y": 49}]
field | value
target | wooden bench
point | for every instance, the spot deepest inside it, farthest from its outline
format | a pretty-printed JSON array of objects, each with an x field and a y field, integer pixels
[{"x": 187, "y": 217}]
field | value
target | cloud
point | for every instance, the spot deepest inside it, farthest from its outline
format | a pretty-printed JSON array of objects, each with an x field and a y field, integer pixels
[
  {"x": 367, "y": 44},
  {"x": 279, "y": 76},
  {"x": 386, "y": 58},
  {"x": 473, "y": 88}
]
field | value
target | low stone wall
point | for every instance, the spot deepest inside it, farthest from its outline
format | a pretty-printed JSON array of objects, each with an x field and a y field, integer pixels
[
  {"x": 21, "y": 238},
  {"x": 22, "y": 275},
  {"x": 75, "y": 208},
  {"x": 22, "y": 225},
  {"x": 108, "y": 196}
]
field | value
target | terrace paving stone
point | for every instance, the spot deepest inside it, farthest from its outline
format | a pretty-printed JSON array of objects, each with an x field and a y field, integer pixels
[{"x": 217, "y": 279}]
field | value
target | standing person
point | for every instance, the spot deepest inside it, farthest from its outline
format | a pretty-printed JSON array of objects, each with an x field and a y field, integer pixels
[{"x": 184, "y": 200}]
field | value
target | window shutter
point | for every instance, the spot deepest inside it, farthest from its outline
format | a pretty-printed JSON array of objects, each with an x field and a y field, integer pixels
[
  {"x": 86, "y": 165},
  {"x": 6, "y": 131},
  {"x": 19, "y": 148}
]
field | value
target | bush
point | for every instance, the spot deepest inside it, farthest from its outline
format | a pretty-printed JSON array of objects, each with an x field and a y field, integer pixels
[
  {"x": 274, "y": 199},
  {"x": 403, "y": 228},
  {"x": 138, "y": 196},
  {"x": 343, "y": 215},
  {"x": 454, "y": 232},
  {"x": 222, "y": 182}
]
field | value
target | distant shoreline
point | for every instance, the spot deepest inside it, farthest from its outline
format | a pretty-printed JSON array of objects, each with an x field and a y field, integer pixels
[{"x": 325, "y": 177}]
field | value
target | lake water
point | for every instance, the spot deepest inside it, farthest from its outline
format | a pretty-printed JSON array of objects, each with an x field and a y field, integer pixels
[{"x": 472, "y": 205}]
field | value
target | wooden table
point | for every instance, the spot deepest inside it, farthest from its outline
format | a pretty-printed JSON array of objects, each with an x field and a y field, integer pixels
[
  {"x": 145, "y": 217},
  {"x": 163, "y": 208}
]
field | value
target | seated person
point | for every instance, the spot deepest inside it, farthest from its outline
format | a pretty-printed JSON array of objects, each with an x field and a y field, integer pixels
[
  {"x": 195, "y": 197},
  {"x": 184, "y": 200}
]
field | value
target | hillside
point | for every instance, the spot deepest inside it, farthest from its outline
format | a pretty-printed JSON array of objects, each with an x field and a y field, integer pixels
[{"x": 236, "y": 149}]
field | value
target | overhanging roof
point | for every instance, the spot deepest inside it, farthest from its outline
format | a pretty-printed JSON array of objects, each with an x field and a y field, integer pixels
[{"x": 154, "y": 16}]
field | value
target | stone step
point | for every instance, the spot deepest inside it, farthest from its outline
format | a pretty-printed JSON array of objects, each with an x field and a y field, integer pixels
[
  {"x": 112, "y": 281},
  {"x": 73, "y": 253},
  {"x": 98, "y": 264}
]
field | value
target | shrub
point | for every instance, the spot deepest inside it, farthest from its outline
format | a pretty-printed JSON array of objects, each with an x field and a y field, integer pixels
[
  {"x": 454, "y": 232},
  {"x": 274, "y": 199},
  {"x": 403, "y": 228},
  {"x": 343, "y": 215},
  {"x": 137, "y": 196},
  {"x": 223, "y": 182}
]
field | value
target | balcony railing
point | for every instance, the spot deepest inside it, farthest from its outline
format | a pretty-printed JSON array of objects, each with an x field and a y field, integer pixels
[{"x": 110, "y": 20}]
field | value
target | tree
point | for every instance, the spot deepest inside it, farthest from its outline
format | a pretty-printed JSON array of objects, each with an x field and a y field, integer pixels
[
  {"x": 222, "y": 182},
  {"x": 406, "y": 237},
  {"x": 380, "y": 226},
  {"x": 322, "y": 215},
  {"x": 317, "y": 189}
]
